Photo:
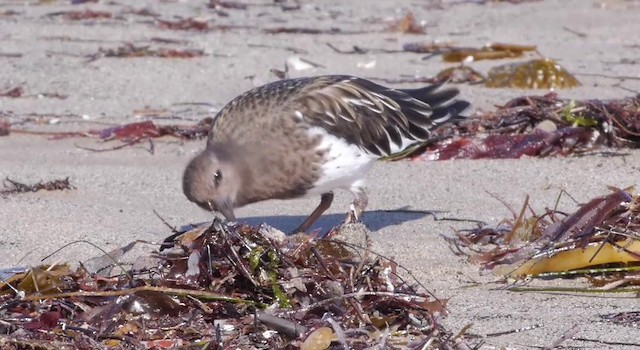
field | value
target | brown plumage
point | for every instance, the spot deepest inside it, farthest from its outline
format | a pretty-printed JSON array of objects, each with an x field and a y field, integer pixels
[{"x": 310, "y": 135}]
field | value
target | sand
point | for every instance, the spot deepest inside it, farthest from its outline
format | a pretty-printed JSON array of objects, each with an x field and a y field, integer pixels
[{"x": 118, "y": 191}]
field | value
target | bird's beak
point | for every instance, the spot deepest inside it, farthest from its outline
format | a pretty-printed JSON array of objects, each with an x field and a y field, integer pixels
[{"x": 225, "y": 208}]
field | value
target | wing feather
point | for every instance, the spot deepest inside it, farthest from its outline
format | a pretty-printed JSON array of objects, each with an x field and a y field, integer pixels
[{"x": 378, "y": 119}]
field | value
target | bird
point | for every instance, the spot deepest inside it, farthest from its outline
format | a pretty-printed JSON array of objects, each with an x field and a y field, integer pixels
[{"x": 310, "y": 136}]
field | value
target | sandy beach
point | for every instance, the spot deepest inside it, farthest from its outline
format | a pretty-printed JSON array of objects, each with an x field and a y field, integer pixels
[{"x": 51, "y": 57}]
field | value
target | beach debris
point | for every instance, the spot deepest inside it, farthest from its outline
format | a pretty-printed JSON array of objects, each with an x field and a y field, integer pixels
[
  {"x": 535, "y": 74},
  {"x": 538, "y": 142},
  {"x": 600, "y": 240},
  {"x": 134, "y": 133},
  {"x": 537, "y": 126},
  {"x": 143, "y": 12},
  {"x": 129, "y": 134},
  {"x": 11, "y": 54},
  {"x": 14, "y": 187},
  {"x": 408, "y": 25},
  {"x": 196, "y": 25},
  {"x": 13, "y": 92},
  {"x": 18, "y": 92},
  {"x": 405, "y": 79},
  {"x": 302, "y": 30},
  {"x": 359, "y": 50},
  {"x": 428, "y": 47},
  {"x": 295, "y": 50},
  {"x": 491, "y": 51},
  {"x": 230, "y": 286},
  {"x": 458, "y": 75},
  {"x": 367, "y": 64},
  {"x": 189, "y": 24},
  {"x": 629, "y": 318},
  {"x": 81, "y": 15},
  {"x": 5, "y": 127},
  {"x": 455, "y": 54},
  {"x": 299, "y": 63},
  {"x": 9, "y": 13},
  {"x": 218, "y": 4},
  {"x": 129, "y": 50}
]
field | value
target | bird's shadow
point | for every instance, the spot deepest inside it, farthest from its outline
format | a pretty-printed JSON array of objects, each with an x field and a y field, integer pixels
[{"x": 374, "y": 219}]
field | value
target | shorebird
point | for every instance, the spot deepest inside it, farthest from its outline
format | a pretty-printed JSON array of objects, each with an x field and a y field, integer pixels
[{"x": 310, "y": 136}]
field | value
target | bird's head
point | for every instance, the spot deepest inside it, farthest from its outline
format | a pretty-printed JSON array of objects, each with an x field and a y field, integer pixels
[{"x": 212, "y": 183}]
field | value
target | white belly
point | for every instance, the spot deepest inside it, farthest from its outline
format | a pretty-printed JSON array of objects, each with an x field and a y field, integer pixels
[{"x": 346, "y": 164}]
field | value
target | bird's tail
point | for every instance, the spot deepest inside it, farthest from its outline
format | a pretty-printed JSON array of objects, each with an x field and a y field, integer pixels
[{"x": 446, "y": 107}]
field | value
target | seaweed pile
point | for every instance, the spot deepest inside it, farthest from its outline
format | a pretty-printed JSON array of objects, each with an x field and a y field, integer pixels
[
  {"x": 600, "y": 240},
  {"x": 537, "y": 126},
  {"x": 226, "y": 287}
]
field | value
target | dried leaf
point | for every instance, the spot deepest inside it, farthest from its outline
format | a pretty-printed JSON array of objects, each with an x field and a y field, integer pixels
[{"x": 320, "y": 339}]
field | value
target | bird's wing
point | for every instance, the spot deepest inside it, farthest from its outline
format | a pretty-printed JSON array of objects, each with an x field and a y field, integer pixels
[{"x": 380, "y": 120}]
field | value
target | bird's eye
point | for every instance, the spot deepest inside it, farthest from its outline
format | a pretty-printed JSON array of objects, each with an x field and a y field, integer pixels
[{"x": 217, "y": 178}]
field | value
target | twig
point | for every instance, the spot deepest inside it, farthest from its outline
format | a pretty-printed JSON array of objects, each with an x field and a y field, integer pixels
[
  {"x": 200, "y": 294},
  {"x": 281, "y": 325},
  {"x": 220, "y": 228},
  {"x": 513, "y": 331},
  {"x": 577, "y": 33}
]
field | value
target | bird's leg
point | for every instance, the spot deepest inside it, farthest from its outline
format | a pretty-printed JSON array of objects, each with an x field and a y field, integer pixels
[
  {"x": 357, "y": 207},
  {"x": 325, "y": 203}
]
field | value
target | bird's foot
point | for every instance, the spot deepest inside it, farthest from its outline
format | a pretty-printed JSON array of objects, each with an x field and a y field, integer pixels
[{"x": 353, "y": 216}]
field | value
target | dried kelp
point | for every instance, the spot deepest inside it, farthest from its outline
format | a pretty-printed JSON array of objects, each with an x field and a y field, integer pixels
[
  {"x": 453, "y": 53},
  {"x": 150, "y": 129},
  {"x": 538, "y": 126},
  {"x": 492, "y": 51},
  {"x": 82, "y": 15},
  {"x": 128, "y": 50},
  {"x": 541, "y": 73},
  {"x": 601, "y": 240},
  {"x": 130, "y": 134},
  {"x": 535, "y": 74},
  {"x": 13, "y": 187},
  {"x": 229, "y": 286},
  {"x": 189, "y": 24}
]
